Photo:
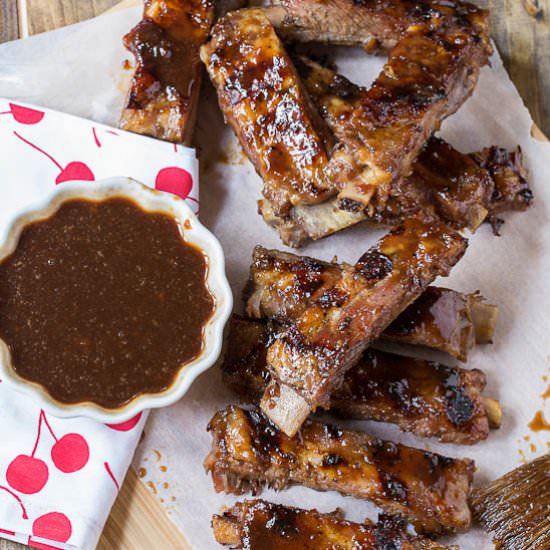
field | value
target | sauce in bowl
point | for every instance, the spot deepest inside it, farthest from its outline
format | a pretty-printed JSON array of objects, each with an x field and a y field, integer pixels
[{"x": 103, "y": 302}]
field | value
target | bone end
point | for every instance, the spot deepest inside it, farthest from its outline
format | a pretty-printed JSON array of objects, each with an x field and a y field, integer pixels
[
  {"x": 484, "y": 317},
  {"x": 226, "y": 529},
  {"x": 478, "y": 215},
  {"x": 494, "y": 412},
  {"x": 284, "y": 407}
]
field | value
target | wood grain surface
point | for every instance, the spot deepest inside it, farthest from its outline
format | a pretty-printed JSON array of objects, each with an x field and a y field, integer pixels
[{"x": 521, "y": 29}]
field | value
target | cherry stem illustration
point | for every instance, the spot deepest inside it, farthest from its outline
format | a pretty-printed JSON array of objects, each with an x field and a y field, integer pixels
[
  {"x": 96, "y": 139},
  {"x": 191, "y": 199},
  {"x": 38, "y": 149},
  {"x": 43, "y": 414},
  {"x": 111, "y": 475},
  {"x": 5, "y": 113},
  {"x": 37, "y": 435},
  {"x": 2, "y": 488}
]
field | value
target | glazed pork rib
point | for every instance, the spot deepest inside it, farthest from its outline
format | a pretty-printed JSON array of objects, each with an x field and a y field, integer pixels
[
  {"x": 437, "y": 51},
  {"x": 373, "y": 25},
  {"x": 282, "y": 286},
  {"x": 164, "y": 92},
  {"x": 457, "y": 186},
  {"x": 261, "y": 525},
  {"x": 422, "y": 397},
  {"x": 265, "y": 103},
  {"x": 248, "y": 452},
  {"x": 445, "y": 320},
  {"x": 462, "y": 189},
  {"x": 310, "y": 356}
]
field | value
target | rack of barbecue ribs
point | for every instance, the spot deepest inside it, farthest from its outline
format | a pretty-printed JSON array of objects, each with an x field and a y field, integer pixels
[
  {"x": 262, "y": 525},
  {"x": 432, "y": 69},
  {"x": 430, "y": 72},
  {"x": 422, "y": 397},
  {"x": 264, "y": 101},
  {"x": 164, "y": 92},
  {"x": 282, "y": 285},
  {"x": 310, "y": 356},
  {"x": 462, "y": 189},
  {"x": 332, "y": 154},
  {"x": 429, "y": 490}
]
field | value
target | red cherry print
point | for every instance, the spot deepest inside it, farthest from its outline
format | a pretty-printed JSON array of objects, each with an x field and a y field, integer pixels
[
  {"x": 52, "y": 526},
  {"x": 111, "y": 475},
  {"x": 174, "y": 180},
  {"x": 25, "y": 115},
  {"x": 125, "y": 426},
  {"x": 27, "y": 474},
  {"x": 75, "y": 171},
  {"x": 70, "y": 453},
  {"x": 96, "y": 139},
  {"x": 6, "y": 532}
]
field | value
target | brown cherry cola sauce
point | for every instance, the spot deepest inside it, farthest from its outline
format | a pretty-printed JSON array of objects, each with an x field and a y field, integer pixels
[{"x": 103, "y": 301}]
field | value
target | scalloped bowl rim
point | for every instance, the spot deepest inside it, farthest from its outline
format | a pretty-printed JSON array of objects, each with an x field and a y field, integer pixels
[{"x": 150, "y": 200}]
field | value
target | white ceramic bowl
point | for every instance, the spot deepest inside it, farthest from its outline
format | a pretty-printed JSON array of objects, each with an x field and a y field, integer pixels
[{"x": 152, "y": 201}]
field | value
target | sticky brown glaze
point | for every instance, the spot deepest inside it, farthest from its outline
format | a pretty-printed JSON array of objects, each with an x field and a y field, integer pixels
[
  {"x": 422, "y": 397},
  {"x": 512, "y": 190},
  {"x": 372, "y": 25},
  {"x": 282, "y": 286},
  {"x": 446, "y": 184},
  {"x": 265, "y": 103},
  {"x": 165, "y": 88},
  {"x": 312, "y": 354},
  {"x": 431, "y": 70},
  {"x": 462, "y": 189},
  {"x": 249, "y": 452},
  {"x": 261, "y": 525},
  {"x": 102, "y": 302},
  {"x": 441, "y": 319}
]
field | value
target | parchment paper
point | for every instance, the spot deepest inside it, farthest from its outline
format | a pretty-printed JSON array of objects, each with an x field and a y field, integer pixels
[{"x": 78, "y": 70}]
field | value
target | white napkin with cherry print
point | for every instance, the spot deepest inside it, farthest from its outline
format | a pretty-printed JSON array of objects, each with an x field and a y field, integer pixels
[{"x": 60, "y": 477}]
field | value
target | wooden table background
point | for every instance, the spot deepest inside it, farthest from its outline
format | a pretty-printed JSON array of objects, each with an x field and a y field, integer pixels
[{"x": 521, "y": 29}]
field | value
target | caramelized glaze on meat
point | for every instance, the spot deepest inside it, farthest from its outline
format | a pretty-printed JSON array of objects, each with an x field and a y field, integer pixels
[
  {"x": 431, "y": 70},
  {"x": 440, "y": 319},
  {"x": 312, "y": 354},
  {"x": 249, "y": 452},
  {"x": 374, "y": 25},
  {"x": 282, "y": 286},
  {"x": 164, "y": 92},
  {"x": 261, "y": 525},
  {"x": 512, "y": 191},
  {"x": 264, "y": 101},
  {"x": 426, "y": 398},
  {"x": 462, "y": 189}
]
